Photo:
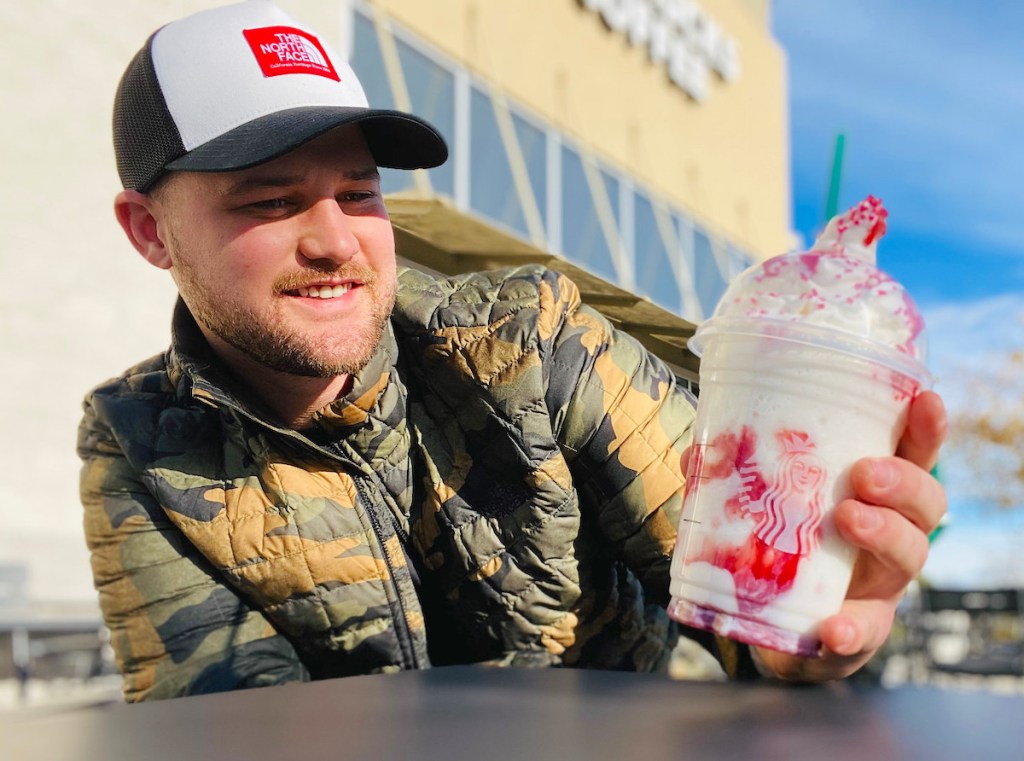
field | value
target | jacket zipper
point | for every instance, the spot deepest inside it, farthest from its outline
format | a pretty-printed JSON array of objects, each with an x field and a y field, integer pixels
[{"x": 405, "y": 637}]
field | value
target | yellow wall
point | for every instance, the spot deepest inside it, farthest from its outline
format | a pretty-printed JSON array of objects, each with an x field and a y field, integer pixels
[{"x": 725, "y": 159}]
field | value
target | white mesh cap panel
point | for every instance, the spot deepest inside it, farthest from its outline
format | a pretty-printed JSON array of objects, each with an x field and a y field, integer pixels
[{"x": 204, "y": 107}]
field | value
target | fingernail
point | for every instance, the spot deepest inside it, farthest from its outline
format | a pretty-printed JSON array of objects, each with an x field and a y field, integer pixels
[
  {"x": 844, "y": 640},
  {"x": 884, "y": 473},
  {"x": 868, "y": 518}
]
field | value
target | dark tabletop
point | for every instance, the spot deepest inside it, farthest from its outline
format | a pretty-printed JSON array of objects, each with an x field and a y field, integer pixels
[{"x": 465, "y": 713}]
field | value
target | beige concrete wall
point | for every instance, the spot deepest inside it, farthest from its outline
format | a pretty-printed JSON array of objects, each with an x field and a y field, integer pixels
[
  {"x": 725, "y": 159},
  {"x": 77, "y": 304}
]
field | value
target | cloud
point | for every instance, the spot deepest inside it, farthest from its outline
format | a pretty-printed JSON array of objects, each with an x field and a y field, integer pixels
[
  {"x": 975, "y": 334},
  {"x": 971, "y": 355},
  {"x": 979, "y": 556},
  {"x": 969, "y": 345}
]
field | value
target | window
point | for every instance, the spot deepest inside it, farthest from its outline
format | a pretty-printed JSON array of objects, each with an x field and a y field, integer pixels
[
  {"x": 738, "y": 261},
  {"x": 493, "y": 191},
  {"x": 692, "y": 309},
  {"x": 707, "y": 276},
  {"x": 533, "y": 146},
  {"x": 655, "y": 276},
  {"x": 432, "y": 94},
  {"x": 431, "y": 90},
  {"x": 681, "y": 268},
  {"x": 583, "y": 239}
]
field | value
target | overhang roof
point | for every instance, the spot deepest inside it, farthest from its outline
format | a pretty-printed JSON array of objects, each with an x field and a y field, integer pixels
[{"x": 430, "y": 232}]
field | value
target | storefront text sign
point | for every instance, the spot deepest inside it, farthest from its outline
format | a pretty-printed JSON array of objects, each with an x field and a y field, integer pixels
[{"x": 678, "y": 35}]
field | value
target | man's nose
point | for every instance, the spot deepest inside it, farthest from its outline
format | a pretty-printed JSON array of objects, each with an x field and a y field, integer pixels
[{"x": 327, "y": 233}]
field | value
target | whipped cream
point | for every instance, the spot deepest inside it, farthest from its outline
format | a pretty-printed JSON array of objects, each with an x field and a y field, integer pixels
[{"x": 835, "y": 286}]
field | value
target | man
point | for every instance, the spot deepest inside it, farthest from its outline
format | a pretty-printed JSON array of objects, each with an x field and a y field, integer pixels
[{"x": 340, "y": 469}]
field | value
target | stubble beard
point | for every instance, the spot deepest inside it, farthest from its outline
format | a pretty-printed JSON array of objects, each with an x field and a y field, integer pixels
[{"x": 266, "y": 338}]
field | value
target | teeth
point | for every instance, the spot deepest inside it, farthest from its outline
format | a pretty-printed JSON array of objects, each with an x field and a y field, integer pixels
[{"x": 324, "y": 291}]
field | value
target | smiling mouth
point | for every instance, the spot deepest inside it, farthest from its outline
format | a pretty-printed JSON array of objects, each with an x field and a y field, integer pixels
[{"x": 322, "y": 291}]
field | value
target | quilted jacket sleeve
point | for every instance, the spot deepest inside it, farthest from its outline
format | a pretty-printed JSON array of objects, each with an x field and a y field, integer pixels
[
  {"x": 175, "y": 629},
  {"x": 623, "y": 423}
]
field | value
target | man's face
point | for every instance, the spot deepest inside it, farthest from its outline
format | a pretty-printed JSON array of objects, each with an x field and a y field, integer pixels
[{"x": 291, "y": 262}]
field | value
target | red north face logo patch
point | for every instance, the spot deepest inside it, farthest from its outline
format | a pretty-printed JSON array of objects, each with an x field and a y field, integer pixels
[{"x": 286, "y": 50}]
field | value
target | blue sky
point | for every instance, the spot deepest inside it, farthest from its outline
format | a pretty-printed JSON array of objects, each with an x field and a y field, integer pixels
[{"x": 929, "y": 95}]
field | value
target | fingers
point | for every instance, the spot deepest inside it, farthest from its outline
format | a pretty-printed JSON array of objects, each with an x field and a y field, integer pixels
[
  {"x": 927, "y": 428},
  {"x": 848, "y": 639},
  {"x": 897, "y": 505},
  {"x": 894, "y": 550},
  {"x": 902, "y": 486},
  {"x": 858, "y": 630}
]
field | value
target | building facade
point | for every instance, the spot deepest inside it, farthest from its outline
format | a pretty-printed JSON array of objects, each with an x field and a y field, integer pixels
[
  {"x": 639, "y": 145},
  {"x": 557, "y": 118}
]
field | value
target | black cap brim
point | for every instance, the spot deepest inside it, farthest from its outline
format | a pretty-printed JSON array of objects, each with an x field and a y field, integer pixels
[{"x": 396, "y": 139}]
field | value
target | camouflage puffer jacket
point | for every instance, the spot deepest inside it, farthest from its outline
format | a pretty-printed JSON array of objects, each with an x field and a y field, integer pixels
[{"x": 501, "y": 484}]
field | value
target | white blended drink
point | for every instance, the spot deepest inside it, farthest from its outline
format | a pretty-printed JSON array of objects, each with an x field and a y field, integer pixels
[{"x": 808, "y": 364}]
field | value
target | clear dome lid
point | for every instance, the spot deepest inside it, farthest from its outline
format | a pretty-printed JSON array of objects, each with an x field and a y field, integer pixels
[{"x": 833, "y": 295}]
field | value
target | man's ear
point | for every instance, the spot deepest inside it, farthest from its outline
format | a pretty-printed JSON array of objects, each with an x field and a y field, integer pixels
[{"x": 137, "y": 214}]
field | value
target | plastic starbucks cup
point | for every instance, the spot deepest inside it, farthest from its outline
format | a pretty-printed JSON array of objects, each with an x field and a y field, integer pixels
[{"x": 808, "y": 364}]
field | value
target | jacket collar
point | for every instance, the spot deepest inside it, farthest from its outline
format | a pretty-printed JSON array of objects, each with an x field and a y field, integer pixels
[
  {"x": 195, "y": 370},
  {"x": 368, "y": 387}
]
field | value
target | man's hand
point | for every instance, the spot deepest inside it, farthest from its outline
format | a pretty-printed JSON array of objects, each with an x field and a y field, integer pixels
[{"x": 898, "y": 503}]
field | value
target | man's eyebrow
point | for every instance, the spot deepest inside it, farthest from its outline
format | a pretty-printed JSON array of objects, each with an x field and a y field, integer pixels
[
  {"x": 261, "y": 181},
  {"x": 369, "y": 173}
]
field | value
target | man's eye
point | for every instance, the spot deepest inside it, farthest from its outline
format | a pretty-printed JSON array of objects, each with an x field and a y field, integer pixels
[
  {"x": 357, "y": 196},
  {"x": 270, "y": 204}
]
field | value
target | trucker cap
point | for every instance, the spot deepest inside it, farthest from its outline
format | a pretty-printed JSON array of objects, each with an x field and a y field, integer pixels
[{"x": 239, "y": 85}]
